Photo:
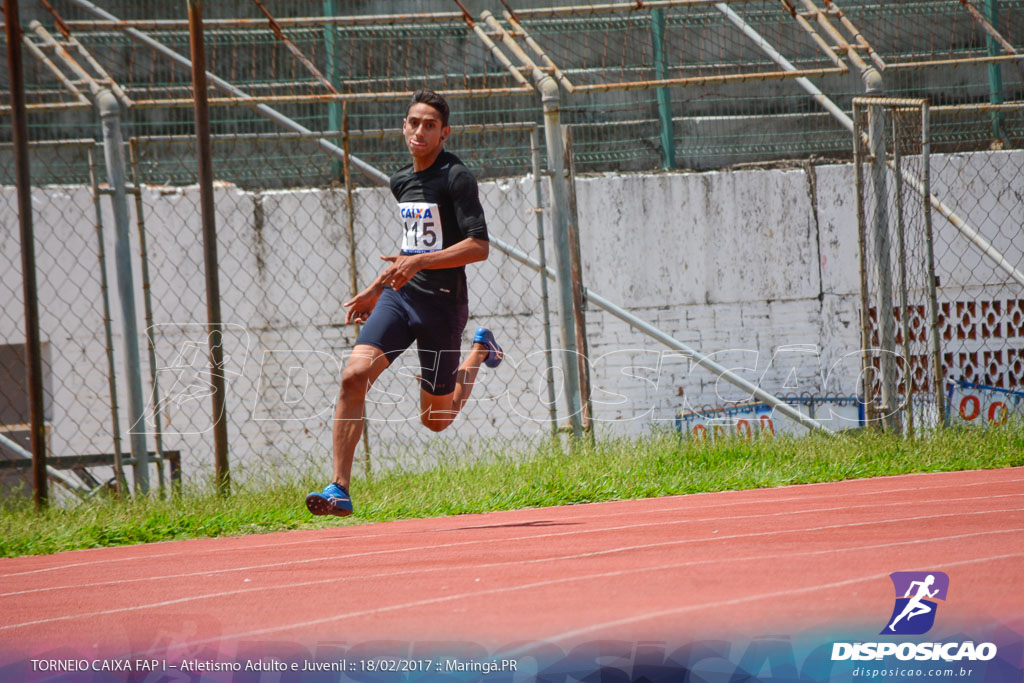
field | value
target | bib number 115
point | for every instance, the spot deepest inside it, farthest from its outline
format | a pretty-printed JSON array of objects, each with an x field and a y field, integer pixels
[{"x": 422, "y": 228}]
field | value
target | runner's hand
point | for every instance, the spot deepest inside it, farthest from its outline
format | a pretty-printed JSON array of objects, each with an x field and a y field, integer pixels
[
  {"x": 401, "y": 270},
  {"x": 361, "y": 305}
]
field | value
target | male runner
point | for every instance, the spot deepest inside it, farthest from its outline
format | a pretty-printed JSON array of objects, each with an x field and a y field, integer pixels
[
  {"x": 916, "y": 606},
  {"x": 420, "y": 296}
]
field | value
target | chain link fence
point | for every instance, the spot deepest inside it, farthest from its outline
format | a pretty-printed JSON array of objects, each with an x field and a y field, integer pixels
[
  {"x": 684, "y": 86},
  {"x": 942, "y": 286},
  {"x": 981, "y": 293},
  {"x": 75, "y": 319},
  {"x": 896, "y": 239},
  {"x": 289, "y": 259}
]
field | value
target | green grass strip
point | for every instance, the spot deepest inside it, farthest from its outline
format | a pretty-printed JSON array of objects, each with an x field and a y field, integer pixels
[{"x": 617, "y": 469}]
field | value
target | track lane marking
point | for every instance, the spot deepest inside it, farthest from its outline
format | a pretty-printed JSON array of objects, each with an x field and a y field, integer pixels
[
  {"x": 255, "y": 589},
  {"x": 738, "y": 601},
  {"x": 320, "y": 541},
  {"x": 444, "y": 546},
  {"x": 550, "y": 582}
]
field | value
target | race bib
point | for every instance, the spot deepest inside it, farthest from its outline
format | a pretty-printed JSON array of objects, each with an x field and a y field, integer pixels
[{"x": 422, "y": 223}]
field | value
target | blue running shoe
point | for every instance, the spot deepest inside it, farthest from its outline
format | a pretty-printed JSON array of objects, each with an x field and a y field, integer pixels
[
  {"x": 494, "y": 352},
  {"x": 334, "y": 500}
]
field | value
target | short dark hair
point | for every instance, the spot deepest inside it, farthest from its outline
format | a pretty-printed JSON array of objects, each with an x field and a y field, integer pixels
[{"x": 434, "y": 100}]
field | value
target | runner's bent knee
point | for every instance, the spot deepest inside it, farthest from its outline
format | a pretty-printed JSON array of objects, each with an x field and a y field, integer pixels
[
  {"x": 355, "y": 381},
  {"x": 436, "y": 412},
  {"x": 434, "y": 422}
]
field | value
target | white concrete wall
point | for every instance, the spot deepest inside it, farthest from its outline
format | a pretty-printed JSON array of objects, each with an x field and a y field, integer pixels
[
  {"x": 751, "y": 267},
  {"x": 730, "y": 264}
]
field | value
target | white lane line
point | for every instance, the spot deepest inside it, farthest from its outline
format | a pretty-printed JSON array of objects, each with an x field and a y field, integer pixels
[
  {"x": 739, "y": 601},
  {"x": 194, "y": 553},
  {"x": 391, "y": 551},
  {"x": 356, "y": 537},
  {"x": 254, "y": 589},
  {"x": 551, "y": 582},
  {"x": 445, "y": 546}
]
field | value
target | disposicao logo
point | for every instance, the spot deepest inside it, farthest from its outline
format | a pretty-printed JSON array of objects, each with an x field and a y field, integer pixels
[
  {"x": 914, "y": 614},
  {"x": 916, "y": 594}
]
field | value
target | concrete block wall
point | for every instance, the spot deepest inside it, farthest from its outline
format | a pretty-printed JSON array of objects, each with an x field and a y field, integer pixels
[{"x": 728, "y": 263}]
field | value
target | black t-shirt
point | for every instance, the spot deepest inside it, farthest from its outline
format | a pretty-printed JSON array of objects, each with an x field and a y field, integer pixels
[{"x": 437, "y": 208}]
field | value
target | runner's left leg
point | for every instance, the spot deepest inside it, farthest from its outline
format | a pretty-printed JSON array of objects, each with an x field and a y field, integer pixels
[{"x": 438, "y": 412}]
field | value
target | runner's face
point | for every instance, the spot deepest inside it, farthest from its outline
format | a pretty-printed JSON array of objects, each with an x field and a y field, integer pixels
[{"x": 424, "y": 134}]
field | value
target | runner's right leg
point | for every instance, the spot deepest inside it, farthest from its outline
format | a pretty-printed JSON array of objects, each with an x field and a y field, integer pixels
[
  {"x": 384, "y": 336},
  {"x": 363, "y": 367},
  {"x": 362, "y": 370}
]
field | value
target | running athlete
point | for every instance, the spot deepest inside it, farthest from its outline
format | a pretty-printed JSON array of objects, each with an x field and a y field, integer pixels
[
  {"x": 916, "y": 606},
  {"x": 421, "y": 295}
]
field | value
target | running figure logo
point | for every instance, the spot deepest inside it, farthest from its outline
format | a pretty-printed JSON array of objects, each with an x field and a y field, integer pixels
[{"x": 915, "y": 608}]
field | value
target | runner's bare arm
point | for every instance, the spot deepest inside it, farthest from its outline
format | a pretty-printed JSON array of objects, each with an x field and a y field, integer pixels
[{"x": 404, "y": 266}]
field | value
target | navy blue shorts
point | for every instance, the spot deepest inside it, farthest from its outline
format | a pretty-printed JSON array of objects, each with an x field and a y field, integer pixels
[{"x": 401, "y": 317}]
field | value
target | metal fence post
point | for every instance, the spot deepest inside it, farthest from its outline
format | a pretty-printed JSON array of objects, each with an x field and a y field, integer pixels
[
  {"x": 33, "y": 350},
  {"x": 560, "y": 218},
  {"x": 147, "y": 303},
  {"x": 115, "y": 421},
  {"x": 213, "y": 315},
  {"x": 865, "y": 312},
  {"x": 579, "y": 303},
  {"x": 883, "y": 266},
  {"x": 901, "y": 262},
  {"x": 113, "y": 148},
  {"x": 933, "y": 299},
  {"x": 544, "y": 301}
]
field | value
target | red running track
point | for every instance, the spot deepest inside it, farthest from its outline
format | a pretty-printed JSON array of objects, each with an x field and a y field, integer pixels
[{"x": 767, "y": 561}]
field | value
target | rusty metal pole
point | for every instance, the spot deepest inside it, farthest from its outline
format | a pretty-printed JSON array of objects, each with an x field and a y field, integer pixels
[
  {"x": 213, "y": 317},
  {"x": 33, "y": 347},
  {"x": 579, "y": 303},
  {"x": 560, "y": 221},
  {"x": 867, "y": 370}
]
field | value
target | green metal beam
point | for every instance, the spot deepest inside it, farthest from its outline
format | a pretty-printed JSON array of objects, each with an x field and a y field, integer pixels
[{"x": 668, "y": 145}]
